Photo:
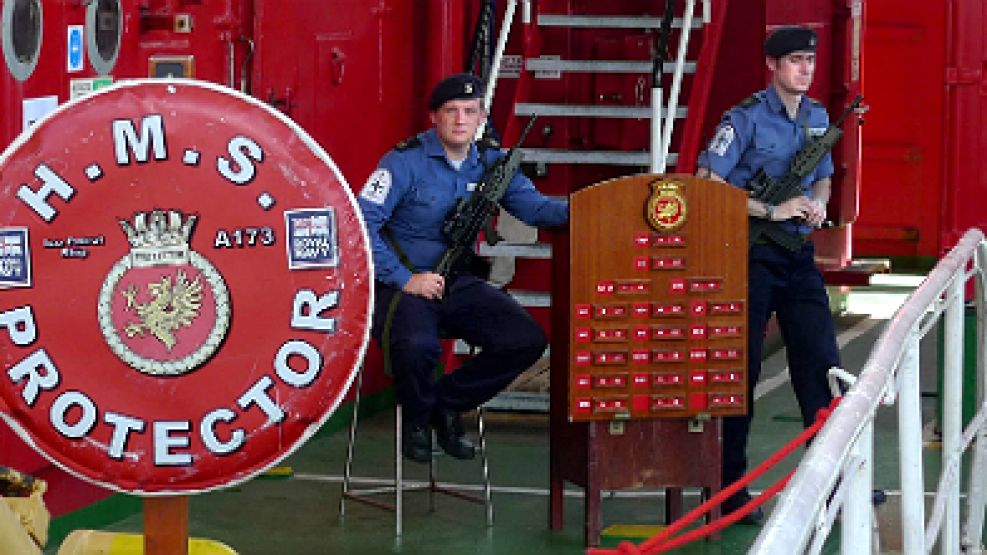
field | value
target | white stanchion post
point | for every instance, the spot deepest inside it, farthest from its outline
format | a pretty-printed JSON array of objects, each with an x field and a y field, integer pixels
[
  {"x": 952, "y": 407},
  {"x": 858, "y": 513},
  {"x": 974, "y": 529},
  {"x": 973, "y": 535},
  {"x": 910, "y": 451}
]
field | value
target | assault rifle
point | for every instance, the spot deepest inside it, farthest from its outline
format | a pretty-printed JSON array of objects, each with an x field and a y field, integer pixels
[
  {"x": 471, "y": 214},
  {"x": 773, "y": 192}
]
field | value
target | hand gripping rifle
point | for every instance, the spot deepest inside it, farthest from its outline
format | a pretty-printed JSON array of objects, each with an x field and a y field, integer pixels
[
  {"x": 471, "y": 214},
  {"x": 773, "y": 192}
]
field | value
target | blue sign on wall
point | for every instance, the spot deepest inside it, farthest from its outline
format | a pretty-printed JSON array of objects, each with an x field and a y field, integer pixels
[{"x": 74, "y": 48}]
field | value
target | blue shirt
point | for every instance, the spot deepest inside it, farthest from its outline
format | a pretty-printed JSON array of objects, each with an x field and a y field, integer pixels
[
  {"x": 414, "y": 188},
  {"x": 759, "y": 134}
]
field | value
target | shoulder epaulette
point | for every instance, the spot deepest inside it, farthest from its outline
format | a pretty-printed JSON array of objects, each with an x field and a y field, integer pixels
[
  {"x": 410, "y": 142},
  {"x": 751, "y": 100}
]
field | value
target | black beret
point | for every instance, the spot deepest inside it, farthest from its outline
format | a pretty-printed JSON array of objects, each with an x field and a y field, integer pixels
[
  {"x": 789, "y": 39},
  {"x": 461, "y": 86}
]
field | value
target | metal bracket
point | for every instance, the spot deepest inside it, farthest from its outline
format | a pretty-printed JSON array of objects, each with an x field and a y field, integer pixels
[{"x": 698, "y": 424}]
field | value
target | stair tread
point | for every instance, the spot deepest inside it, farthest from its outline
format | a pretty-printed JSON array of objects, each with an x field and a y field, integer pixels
[
  {"x": 611, "y": 21},
  {"x": 531, "y": 299},
  {"x": 602, "y": 66},
  {"x": 609, "y": 157},
  {"x": 590, "y": 110},
  {"x": 523, "y": 250}
]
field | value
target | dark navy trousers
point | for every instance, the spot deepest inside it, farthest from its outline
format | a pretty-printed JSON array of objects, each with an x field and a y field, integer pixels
[
  {"x": 790, "y": 285},
  {"x": 509, "y": 339}
]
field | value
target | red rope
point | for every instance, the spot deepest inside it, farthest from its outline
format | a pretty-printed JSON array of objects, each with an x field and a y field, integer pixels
[
  {"x": 723, "y": 522},
  {"x": 662, "y": 540}
]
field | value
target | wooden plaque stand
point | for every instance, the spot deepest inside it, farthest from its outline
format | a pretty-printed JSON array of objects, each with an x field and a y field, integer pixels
[{"x": 648, "y": 338}]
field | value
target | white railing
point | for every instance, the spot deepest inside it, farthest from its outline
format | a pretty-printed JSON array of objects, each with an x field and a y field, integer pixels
[{"x": 841, "y": 457}]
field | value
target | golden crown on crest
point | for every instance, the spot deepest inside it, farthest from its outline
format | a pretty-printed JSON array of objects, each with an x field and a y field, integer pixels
[{"x": 159, "y": 229}]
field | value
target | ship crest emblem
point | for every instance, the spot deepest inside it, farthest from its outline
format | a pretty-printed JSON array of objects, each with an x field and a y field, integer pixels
[
  {"x": 666, "y": 207},
  {"x": 164, "y": 309}
]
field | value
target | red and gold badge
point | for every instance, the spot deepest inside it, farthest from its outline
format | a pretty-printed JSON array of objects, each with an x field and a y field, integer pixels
[{"x": 666, "y": 208}]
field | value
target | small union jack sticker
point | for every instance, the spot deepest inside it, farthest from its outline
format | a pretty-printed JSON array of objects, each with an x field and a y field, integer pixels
[
  {"x": 15, "y": 258},
  {"x": 312, "y": 241}
]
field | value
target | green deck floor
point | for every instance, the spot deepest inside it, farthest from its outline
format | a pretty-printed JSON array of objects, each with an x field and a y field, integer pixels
[{"x": 299, "y": 515}]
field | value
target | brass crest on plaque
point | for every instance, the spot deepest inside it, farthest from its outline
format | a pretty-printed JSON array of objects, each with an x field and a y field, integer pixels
[{"x": 666, "y": 207}]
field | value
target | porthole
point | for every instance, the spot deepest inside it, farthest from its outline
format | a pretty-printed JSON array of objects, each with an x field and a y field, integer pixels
[
  {"x": 21, "y": 36},
  {"x": 104, "y": 27}
]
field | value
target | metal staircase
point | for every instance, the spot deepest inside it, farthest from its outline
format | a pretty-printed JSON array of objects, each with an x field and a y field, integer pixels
[{"x": 573, "y": 107}]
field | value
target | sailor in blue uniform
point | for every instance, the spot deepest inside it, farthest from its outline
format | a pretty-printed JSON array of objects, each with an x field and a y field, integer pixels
[
  {"x": 404, "y": 204},
  {"x": 765, "y": 131}
]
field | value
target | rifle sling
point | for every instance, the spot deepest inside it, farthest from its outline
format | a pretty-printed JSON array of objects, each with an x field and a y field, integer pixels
[{"x": 392, "y": 308}]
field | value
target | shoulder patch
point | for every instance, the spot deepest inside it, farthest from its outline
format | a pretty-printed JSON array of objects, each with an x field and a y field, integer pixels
[
  {"x": 722, "y": 140},
  {"x": 751, "y": 100},
  {"x": 377, "y": 186},
  {"x": 409, "y": 143}
]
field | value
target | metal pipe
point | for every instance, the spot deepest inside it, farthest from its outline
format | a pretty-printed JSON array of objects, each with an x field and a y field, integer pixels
[
  {"x": 673, "y": 95},
  {"x": 245, "y": 67},
  {"x": 487, "y": 493},
  {"x": 910, "y": 451},
  {"x": 858, "y": 512},
  {"x": 658, "y": 157},
  {"x": 973, "y": 534},
  {"x": 231, "y": 64},
  {"x": 977, "y": 494},
  {"x": 398, "y": 476},
  {"x": 351, "y": 443},
  {"x": 505, "y": 31},
  {"x": 825, "y": 519},
  {"x": 952, "y": 428}
]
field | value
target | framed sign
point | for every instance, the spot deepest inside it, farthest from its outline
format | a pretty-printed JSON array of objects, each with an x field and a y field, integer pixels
[{"x": 185, "y": 291}]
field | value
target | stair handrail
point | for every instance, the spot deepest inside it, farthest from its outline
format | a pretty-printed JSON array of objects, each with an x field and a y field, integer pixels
[
  {"x": 843, "y": 451},
  {"x": 673, "y": 94},
  {"x": 505, "y": 32},
  {"x": 658, "y": 156}
]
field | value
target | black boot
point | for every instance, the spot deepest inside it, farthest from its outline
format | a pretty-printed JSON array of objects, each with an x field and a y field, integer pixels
[
  {"x": 416, "y": 442},
  {"x": 878, "y": 497},
  {"x": 449, "y": 433},
  {"x": 737, "y": 501}
]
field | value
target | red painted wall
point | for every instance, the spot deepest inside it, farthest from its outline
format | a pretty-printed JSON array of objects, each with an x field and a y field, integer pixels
[
  {"x": 924, "y": 141},
  {"x": 902, "y": 195},
  {"x": 965, "y": 171}
]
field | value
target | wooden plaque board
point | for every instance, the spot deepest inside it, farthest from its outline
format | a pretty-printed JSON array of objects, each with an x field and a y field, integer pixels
[{"x": 658, "y": 287}]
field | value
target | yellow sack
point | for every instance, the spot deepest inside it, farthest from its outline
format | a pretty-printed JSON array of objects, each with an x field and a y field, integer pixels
[
  {"x": 13, "y": 537},
  {"x": 21, "y": 495},
  {"x": 33, "y": 515},
  {"x": 96, "y": 542}
]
